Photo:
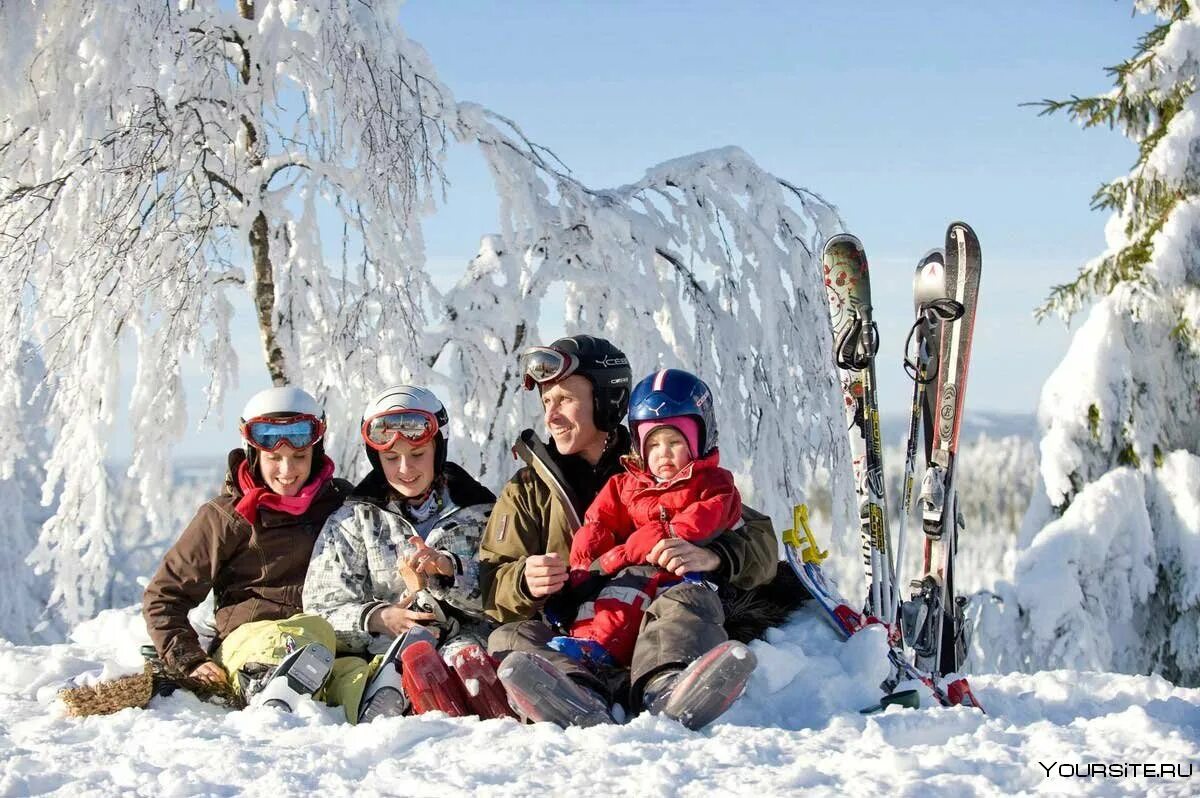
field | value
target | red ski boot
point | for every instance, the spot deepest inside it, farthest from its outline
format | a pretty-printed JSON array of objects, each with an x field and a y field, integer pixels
[
  {"x": 429, "y": 684},
  {"x": 477, "y": 673}
]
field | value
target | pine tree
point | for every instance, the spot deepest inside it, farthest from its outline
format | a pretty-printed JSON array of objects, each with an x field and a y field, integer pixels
[{"x": 1109, "y": 574}]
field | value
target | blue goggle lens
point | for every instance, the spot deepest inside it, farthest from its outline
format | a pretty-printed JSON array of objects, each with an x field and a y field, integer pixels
[{"x": 296, "y": 434}]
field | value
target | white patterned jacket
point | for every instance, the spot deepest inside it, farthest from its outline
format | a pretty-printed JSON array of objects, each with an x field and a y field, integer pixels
[{"x": 355, "y": 565}]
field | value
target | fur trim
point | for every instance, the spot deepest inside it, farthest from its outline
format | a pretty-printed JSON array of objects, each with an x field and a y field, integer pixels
[
  {"x": 749, "y": 613},
  {"x": 110, "y": 696}
]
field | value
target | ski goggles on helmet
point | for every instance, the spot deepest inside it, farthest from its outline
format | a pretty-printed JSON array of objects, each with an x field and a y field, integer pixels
[
  {"x": 541, "y": 365},
  {"x": 269, "y": 433},
  {"x": 382, "y": 430}
]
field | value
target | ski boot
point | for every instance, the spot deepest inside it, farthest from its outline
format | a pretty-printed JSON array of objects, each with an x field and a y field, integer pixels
[
  {"x": 476, "y": 671},
  {"x": 538, "y": 691},
  {"x": 384, "y": 695},
  {"x": 428, "y": 683},
  {"x": 700, "y": 693},
  {"x": 303, "y": 672}
]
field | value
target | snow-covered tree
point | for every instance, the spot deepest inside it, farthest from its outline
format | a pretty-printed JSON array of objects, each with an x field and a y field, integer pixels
[
  {"x": 1109, "y": 570},
  {"x": 161, "y": 163},
  {"x": 22, "y": 471},
  {"x": 147, "y": 151},
  {"x": 707, "y": 263}
]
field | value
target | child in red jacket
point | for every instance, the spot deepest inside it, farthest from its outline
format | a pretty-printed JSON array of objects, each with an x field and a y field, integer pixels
[{"x": 674, "y": 488}]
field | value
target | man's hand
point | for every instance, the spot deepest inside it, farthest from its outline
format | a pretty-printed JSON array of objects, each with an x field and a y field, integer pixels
[
  {"x": 545, "y": 574},
  {"x": 210, "y": 673},
  {"x": 681, "y": 558},
  {"x": 429, "y": 561},
  {"x": 395, "y": 620}
]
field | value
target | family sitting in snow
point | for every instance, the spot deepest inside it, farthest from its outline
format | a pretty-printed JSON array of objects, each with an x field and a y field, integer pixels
[{"x": 402, "y": 594}]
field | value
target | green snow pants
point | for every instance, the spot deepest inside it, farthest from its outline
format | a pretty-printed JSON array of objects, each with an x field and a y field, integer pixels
[{"x": 268, "y": 642}]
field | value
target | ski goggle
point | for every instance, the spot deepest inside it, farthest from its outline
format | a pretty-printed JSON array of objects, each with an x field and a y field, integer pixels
[
  {"x": 268, "y": 434},
  {"x": 382, "y": 430},
  {"x": 541, "y": 365}
]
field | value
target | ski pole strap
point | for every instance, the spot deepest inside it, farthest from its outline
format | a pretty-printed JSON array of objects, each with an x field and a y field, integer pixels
[
  {"x": 944, "y": 308},
  {"x": 917, "y": 366},
  {"x": 856, "y": 344},
  {"x": 534, "y": 453}
]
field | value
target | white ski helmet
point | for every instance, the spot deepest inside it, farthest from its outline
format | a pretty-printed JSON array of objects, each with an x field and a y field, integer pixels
[
  {"x": 408, "y": 397},
  {"x": 280, "y": 402}
]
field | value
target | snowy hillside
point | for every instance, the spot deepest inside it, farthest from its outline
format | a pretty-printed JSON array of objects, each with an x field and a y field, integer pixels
[
  {"x": 796, "y": 730},
  {"x": 976, "y": 423}
]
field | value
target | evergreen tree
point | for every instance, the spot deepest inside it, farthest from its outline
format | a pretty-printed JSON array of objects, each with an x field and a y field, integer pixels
[{"x": 1109, "y": 571}]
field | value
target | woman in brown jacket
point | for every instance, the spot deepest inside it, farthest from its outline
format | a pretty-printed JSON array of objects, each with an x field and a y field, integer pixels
[{"x": 250, "y": 546}]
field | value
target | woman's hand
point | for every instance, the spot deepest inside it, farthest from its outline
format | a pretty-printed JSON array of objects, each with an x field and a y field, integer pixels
[
  {"x": 210, "y": 673},
  {"x": 429, "y": 561},
  {"x": 395, "y": 620},
  {"x": 681, "y": 558}
]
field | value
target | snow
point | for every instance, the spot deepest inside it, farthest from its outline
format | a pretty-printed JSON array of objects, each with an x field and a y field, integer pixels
[
  {"x": 1105, "y": 568},
  {"x": 706, "y": 255},
  {"x": 796, "y": 728}
]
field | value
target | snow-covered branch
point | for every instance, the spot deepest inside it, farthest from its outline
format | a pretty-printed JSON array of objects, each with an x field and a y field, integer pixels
[
  {"x": 706, "y": 263},
  {"x": 1106, "y": 577}
]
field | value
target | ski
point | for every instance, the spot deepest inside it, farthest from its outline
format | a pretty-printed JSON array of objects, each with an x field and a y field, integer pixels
[
  {"x": 932, "y": 618},
  {"x": 804, "y": 557},
  {"x": 932, "y": 308},
  {"x": 856, "y": 340}
]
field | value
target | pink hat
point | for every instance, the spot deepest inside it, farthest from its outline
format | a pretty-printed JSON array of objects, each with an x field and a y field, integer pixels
[{"x": 686, "y": 425}]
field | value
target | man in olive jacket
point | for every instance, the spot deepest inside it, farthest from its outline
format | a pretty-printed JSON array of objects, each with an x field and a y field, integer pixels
[{"x": 584, "y": 384}]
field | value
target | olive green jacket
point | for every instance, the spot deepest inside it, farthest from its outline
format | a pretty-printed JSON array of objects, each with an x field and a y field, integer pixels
[{"x": 527, "y": 520}]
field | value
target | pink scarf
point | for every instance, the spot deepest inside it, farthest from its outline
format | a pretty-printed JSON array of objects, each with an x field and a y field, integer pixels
[{"x": 254, "y": 495}]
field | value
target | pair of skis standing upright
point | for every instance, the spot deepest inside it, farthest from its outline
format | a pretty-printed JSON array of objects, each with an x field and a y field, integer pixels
[{"x": 930, "y": 622}]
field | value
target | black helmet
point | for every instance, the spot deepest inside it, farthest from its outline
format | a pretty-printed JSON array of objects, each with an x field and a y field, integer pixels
[{"x": 604, "y": 366}]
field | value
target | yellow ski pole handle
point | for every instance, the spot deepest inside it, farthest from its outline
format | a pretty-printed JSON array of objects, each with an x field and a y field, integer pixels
[{"x": 810, "y": 552}]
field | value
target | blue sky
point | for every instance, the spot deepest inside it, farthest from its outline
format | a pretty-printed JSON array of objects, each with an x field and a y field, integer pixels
[{"x": 905, "y": 115}]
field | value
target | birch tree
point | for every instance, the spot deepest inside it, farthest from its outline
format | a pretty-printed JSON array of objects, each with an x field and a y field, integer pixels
[
  {"x": 166, "y": 166},
  {"x": 157, "y": 157}
]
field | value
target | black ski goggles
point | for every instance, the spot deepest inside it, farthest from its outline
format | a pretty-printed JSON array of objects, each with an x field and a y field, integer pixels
[{"x": 541, "y": 365}]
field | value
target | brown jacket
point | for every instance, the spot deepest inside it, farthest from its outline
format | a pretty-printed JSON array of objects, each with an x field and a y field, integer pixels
[
  {"x": 256, "y": 572},
  {"x": 526, "y": 521}
]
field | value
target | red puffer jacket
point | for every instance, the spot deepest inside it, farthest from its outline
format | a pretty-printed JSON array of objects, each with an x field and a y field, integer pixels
[{"x": 633, "y": 512}]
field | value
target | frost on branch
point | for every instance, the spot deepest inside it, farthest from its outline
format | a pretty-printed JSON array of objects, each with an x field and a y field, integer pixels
[
  {"x": 707, "y": 263},
  {"x": 22, "y": 470},
  {"x": 157, "y": 160}
]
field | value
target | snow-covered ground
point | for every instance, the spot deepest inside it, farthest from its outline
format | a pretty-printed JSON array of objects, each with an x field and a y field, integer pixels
[{"x": 796, "y": 730}]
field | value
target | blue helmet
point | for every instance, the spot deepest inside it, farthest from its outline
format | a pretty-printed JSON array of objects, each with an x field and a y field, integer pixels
[{"x": 672, "y": 393}]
